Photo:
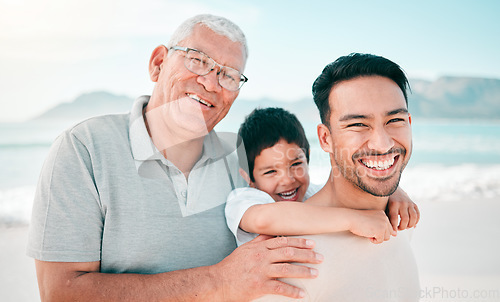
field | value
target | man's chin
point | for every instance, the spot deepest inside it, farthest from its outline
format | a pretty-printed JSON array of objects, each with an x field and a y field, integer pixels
[
  {"x": 378, "y": 192},
  {"x": 381, "y": 188}
]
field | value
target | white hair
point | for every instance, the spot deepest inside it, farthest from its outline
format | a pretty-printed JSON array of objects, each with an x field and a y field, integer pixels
[{"x": 219, "y": 25}]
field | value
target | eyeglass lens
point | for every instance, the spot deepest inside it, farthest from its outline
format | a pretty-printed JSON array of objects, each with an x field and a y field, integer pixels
[{"x": 202, "y": 64}]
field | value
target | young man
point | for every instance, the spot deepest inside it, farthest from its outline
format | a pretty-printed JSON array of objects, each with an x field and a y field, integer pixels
[
  {"x": 130, "y": 207},
  {"x": 277, "y": 156},
  {"x": 366, "y": 130}
]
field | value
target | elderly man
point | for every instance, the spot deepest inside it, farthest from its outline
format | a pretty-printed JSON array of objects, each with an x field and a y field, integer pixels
[
  {"x": 130, "y": 207},
  {"x": 366, "y": 130}
]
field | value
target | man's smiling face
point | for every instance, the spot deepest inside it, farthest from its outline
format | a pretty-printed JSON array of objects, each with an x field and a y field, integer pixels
[
  {"x": 370, "y": 133},
  {"x": 199, "y": 99}
]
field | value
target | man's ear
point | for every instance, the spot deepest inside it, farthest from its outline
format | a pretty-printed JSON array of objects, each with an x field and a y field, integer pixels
[
  {"x": 246, "y": 177},
  {"x": 409, "y": 117},
  {"x": 325, "y": 139},
  {"x": 157, "y": 57}
]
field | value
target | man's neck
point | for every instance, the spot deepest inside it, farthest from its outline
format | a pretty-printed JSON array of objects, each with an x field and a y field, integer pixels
[
  {"x": 185, "y": 155},
  {"x": 339, "y": 192},
  {"x": 182, "y": 151}
]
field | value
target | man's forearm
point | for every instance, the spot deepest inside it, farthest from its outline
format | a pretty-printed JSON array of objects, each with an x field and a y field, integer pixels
[{"x": 58, "y": 284}]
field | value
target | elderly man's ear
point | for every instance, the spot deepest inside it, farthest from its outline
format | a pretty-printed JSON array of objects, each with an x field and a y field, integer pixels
[
  {"x": 325, "y": 139},
  {"x": 158, "y": 56}
]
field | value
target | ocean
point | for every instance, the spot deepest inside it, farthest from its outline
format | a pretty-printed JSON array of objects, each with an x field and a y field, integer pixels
[{"x": 452, "y": 160}]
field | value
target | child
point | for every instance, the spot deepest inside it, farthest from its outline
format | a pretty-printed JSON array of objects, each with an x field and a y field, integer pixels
[{"x": 277, "y": 156}]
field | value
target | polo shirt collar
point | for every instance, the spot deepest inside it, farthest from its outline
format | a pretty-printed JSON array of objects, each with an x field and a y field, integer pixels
[{"x": 141, "y": 144}]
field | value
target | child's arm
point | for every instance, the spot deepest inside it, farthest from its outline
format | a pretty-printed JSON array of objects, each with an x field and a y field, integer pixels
[
  {"x": 250, "y": 211},
  {"x": 400, "y": 205},
  {"x": 297, "y": 218}
]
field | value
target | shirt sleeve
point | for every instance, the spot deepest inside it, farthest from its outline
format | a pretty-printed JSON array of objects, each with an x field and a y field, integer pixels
[
  {"x": 238, "y": 202},
  {"x": 67, "y": 218}
]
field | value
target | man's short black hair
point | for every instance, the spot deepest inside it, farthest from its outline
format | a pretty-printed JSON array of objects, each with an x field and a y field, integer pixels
[
  {"x": 265, "y": 127},
  {"x": 350, "y": 67}
]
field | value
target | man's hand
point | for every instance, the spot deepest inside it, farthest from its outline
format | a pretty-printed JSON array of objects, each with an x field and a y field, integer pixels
[
  {"x": 400, "y": 205},
  {"x": 372, "y": 224},
  {"x": 252, "y": 269}
]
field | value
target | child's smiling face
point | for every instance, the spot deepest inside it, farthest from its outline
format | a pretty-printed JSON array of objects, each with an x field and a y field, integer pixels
[{"x": 282, "y": 172}]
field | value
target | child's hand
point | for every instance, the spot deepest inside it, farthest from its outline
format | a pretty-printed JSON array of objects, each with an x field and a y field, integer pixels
[
  {"x": 372, "y": 224},
  {"x": 400, "y": 205}
]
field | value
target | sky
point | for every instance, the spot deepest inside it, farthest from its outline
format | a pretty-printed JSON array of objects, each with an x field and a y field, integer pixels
[{"x": 52, "y": 51}]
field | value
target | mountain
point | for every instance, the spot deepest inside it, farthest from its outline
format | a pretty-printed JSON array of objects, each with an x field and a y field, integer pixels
[
  {"x": 456, "y": 97},
  {"x": 87, "y": 105},
  {"x": 446, "y": 97}
]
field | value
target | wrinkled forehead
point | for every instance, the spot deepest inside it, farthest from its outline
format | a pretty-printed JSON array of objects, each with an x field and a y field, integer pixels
[{"x": 219, "y": 47}]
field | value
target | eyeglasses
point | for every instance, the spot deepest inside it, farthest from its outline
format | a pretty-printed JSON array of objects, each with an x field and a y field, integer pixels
[{"x": 199, "y": 63}]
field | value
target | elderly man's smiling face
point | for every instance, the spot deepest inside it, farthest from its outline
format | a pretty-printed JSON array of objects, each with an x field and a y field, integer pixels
[
  {"x": 369, "y": 139},
  {"x": 199, "y": 100}
]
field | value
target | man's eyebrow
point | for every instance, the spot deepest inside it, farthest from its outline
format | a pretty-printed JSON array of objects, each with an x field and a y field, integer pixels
[
  {"x": 353, "y": 117},
  {"x": 363, "y": 116},
  {"x": 397, "y": 111}
]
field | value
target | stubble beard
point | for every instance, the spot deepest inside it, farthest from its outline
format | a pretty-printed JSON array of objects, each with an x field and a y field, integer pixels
[{"x": 384, "y": 187}]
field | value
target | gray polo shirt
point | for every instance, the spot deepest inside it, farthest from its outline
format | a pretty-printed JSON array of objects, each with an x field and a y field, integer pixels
[{"x": 106, "y": 194}]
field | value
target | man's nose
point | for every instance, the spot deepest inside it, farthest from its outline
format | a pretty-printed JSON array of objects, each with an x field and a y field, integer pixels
[
  {"x": 211, "y": 80},
  {"x": 380, "y": 140}
]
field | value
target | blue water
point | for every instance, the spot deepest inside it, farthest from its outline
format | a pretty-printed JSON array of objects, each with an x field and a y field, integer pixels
[
  {"x": 23, "y": 148},
  {"x": 458, "y": 156},
  {"x": 456, "y": 142}
]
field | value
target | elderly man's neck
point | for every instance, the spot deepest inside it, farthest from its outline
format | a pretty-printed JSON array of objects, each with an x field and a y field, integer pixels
[
  {"x": 180, "y": 147},
  {"x": 185, "y": 155}
]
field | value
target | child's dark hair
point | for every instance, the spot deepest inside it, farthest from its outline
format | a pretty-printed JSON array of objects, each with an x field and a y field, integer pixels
[{"x": 265, "y": 127}]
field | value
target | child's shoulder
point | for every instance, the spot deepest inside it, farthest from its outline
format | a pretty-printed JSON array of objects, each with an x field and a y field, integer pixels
[{"x": 249, "y": 194}]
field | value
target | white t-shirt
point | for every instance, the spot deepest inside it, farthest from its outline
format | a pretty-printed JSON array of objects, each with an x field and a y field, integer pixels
[{"x": 241, "y": 199}]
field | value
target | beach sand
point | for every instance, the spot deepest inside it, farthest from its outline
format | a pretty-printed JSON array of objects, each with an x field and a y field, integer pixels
[
  {"x": 457, "y": 248},
  {"x": 17, "y": 271},
  {"x": 456, "y": 244}
]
